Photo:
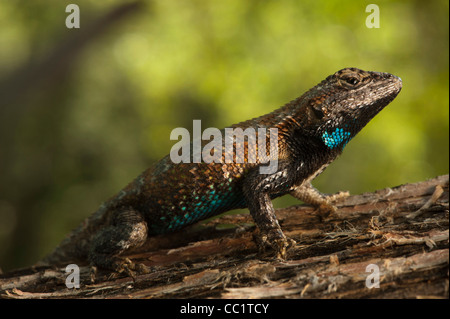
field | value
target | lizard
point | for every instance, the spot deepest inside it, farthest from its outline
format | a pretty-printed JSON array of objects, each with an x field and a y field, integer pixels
[{"x": 313, "y": 130}]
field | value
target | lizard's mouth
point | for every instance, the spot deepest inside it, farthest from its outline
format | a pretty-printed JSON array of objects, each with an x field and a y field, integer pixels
[
  {"x": 392, "y": 90},
  {"x": 395, "y": 85},
  {"x": 386, "y": 92}
]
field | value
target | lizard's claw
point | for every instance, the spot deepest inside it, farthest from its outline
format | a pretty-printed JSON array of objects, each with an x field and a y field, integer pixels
[
  {"x": 122, "y": 266},
  {"x": 338, "y": 196},
  {"x": 326, "y": 207},
  {"x": 127, "y": 267},
  {"x": 132, "y": 269},
  {"x": 92, "y": 274},
  {"x": 281, "y": 247},
  {"x": 277, "y": 240}
]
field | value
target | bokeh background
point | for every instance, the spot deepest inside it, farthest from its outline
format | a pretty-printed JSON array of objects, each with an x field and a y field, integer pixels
[{"x": 84, "y": 111}]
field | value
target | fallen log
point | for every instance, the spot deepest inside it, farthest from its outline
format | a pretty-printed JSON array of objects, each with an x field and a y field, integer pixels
[{"x": 392, "y": 243}]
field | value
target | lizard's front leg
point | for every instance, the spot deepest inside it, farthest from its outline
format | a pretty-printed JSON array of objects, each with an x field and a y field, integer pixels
[
  {"x": 257, "y": 189},
  {"x": 310, "y": 195}
]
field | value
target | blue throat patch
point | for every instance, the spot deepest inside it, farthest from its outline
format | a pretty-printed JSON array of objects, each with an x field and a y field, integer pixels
[{"x": 336, "y": 138}]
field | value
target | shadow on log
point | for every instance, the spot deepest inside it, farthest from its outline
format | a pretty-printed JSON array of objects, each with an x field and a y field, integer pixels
[{"x": 395, "y": 239}]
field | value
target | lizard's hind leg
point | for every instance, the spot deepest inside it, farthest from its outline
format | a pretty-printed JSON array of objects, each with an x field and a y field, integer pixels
[{"x": 128, "y": 229}]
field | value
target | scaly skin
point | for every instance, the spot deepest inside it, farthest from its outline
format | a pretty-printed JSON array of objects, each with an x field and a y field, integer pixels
[{"x": 312, "y": 131}]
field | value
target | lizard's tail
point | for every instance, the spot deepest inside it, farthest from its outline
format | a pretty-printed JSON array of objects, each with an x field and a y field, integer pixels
[{"x": 75, "y": 247}]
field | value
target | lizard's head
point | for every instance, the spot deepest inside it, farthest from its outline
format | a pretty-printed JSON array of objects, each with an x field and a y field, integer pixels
[{"x": 342, "y": 104}]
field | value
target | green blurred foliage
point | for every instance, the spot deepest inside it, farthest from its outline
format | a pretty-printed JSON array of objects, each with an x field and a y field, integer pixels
[{"x": 85, "y": 136}]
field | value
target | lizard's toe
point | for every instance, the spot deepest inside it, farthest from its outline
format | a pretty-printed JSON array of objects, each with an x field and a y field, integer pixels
[
  {"x": 338, "y": 196},
  {"x": 276, "y": 240}
]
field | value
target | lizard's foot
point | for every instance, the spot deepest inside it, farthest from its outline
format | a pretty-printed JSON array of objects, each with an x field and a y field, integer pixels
[
  {"x": 121, "y": 266},
  {"x": 323, "y": 203},
  {"x": 125, "y": 265},
  {"x": 276, "y": 240},
  {"x": 326, "y": 206},
  {"x": 338, "y": 196}
]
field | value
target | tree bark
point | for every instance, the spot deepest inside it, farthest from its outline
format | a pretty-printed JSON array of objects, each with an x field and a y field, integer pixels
[{"x": 392, "y": 243}]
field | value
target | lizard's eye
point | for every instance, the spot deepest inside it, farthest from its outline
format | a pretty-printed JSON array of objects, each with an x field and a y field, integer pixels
[{"x": 351, "y": 80}]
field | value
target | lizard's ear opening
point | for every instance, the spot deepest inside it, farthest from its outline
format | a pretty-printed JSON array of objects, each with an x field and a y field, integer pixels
[{"x": 318, "y": 112}]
